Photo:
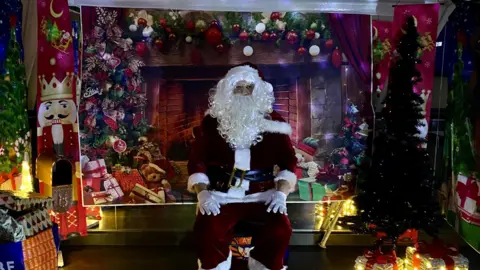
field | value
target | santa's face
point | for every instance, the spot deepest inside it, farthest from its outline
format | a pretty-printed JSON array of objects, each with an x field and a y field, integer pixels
[{"x": 61, "y": 111}]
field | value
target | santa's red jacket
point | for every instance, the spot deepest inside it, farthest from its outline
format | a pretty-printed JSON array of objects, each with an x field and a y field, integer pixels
[{"x": 210, "y": 149}]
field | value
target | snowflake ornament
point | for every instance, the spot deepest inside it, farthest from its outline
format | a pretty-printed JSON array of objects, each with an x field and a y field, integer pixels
[
  {"x": 386, "y": 30},
  {"x": 427, "y": 64},
  {"x": 428, "y": 21}
]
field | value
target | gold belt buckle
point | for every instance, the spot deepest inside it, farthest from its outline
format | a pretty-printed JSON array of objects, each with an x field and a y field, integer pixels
[{"x": 233, "y": 175}]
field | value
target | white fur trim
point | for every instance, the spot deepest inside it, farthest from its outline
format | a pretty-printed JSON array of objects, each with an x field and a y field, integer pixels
[
  {"x": 242, "y": 159},
  {"x": 158, "y": 169},
  {"x": 278, "y": 127},
  {"x": 225, "y": 265},
  {"x": 197, "y": 178},
  {"x": 287, "y": 176}
]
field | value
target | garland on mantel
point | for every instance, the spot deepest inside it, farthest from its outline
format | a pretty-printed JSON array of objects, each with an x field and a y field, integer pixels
[{"x": 222, "y": 30}]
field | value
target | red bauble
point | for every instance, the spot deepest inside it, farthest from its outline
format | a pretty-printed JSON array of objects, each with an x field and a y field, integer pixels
[
  {"x": 265, "y": 36},
  {"x": 275, "y": 16},
  {"x": 310, "y": 34},
  {"x": 172, "y": 36},
  {"x": 273, "y": 36},
  {"x": 142, "y": 22},
  {"x": 301, "y": 50},
  {"x": 236, "y": 28},
  {"x": 243, "y": 35},
  {"x": 162, "y": 22},
  {"x": 190, "y": 26},
  {"x": 158, "y": 44},
  {"x": 119, "y": 146},
  {"x": 168, "y": 29},
  {"x": 140, "y": 48},
  {"x": 292, "y": 37},
  {"x": 220, "y": 48},
  {"x": 336, "y": 58},
  {"x": 128, "y": 72},
  {"x": 329, "y": 44},
  {"x": 214, "y": 23},
  {"x": 213, "y": 36}
]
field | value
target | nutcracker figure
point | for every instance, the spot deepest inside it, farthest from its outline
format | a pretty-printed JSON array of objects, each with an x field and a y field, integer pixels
[{"x": 57, "y": 126}]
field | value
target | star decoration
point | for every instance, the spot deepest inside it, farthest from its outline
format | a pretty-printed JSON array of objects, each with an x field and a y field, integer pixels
[{"x": 428, "y": 21}]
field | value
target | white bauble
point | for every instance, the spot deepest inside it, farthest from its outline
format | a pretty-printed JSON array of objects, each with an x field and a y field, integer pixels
[
  {"x": 314, "y": 50},
  {"x": 260, "y": 28},
  {"x": 53, "y": 61},
  {"x": 147, "y": 31},
  {"x": 378, "y": 75},
  {"x": 132, "y": 28},
  {"x": 188, "y": 39},
  {"x": 248, "y": 50},
  {"x": 317, "y": 35},
  {"x": 129, "y": 41}
]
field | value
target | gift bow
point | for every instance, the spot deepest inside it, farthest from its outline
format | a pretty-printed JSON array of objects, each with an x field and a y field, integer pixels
[
  {"x": 377, "y": 257},
  {"x": 468, "y": 190},
  {"x": 436, "y": 250}
]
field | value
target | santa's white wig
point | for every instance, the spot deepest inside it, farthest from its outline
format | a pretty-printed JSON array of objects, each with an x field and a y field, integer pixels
[{"x": 241, "y": 119}]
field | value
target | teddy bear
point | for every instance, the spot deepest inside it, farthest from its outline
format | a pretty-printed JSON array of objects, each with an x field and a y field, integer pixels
[{"x": 155, "y": 180}]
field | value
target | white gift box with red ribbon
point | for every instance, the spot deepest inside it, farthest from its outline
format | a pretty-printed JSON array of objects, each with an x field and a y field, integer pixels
[
  {"x": 112, "y": 187},
  {"x": 95, "y": 169},
  {"x": 468, "y": 198}
]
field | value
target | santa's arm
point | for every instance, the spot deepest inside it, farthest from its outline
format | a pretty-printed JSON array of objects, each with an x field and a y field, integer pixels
[
  {"x": 198, "y": 180},
  {"x": 286, "y": 179}
]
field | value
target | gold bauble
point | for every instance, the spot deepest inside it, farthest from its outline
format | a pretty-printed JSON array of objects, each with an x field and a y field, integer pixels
[
  {"x": 109, "y": 142},
  {"x": 6, "y": 78}
]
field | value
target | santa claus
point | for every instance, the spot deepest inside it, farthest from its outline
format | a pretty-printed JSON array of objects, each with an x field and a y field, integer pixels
[{"x": 241, "y": 167}]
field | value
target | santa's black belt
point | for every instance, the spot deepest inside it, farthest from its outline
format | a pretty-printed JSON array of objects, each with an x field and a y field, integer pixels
[{"x": 221, "y": 179}]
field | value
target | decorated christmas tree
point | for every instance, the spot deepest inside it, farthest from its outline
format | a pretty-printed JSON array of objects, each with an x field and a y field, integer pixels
[
  {"x": 112, "y": 116},
  {"x": 397, "y": 193},
  {"x": 14, "y": 131},
  {"x": 351, "y": 141}
]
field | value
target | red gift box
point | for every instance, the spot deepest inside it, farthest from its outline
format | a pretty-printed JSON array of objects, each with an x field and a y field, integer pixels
[{"x": 127, "y": 181}]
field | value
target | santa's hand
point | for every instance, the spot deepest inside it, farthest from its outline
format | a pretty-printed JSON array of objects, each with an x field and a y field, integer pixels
[
  {"x": 277, "y": 203},
  {"x": 207, "y": 203}
]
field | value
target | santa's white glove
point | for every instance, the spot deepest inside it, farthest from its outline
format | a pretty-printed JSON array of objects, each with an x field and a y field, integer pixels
[
  {"x": 207, "y": 203},
  {"x": 277, "y": 203}
]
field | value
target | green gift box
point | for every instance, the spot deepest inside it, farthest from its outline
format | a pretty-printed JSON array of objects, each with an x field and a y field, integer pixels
[{"x": 305, "y": 188}]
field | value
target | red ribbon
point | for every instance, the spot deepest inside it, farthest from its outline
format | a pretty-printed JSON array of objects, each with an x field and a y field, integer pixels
[
  {"x": 99, "y": 168},
  {"x": 377, "y": 257},
  {"x": 436, "y": 250},
  {"x": 468, "y": 190}
]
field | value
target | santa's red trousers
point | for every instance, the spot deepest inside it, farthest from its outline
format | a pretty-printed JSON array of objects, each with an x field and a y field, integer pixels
[{"x": 213, "y": 234}]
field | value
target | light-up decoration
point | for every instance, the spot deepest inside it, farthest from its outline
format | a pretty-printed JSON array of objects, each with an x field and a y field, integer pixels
[{"x": 27, "y": 185}]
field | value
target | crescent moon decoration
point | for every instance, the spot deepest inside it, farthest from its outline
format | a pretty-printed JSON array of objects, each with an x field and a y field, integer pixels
[
  {"x": 53, "y": 13},
  {"x": 375, "y": 33}
]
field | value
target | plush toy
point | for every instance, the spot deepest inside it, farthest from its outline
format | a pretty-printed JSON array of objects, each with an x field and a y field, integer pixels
[{"x": 155, "y": 178}]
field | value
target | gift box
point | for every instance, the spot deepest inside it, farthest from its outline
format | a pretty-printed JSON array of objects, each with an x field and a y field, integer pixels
[
  {"x": 95, "y": 169},
  {"x": 35, "y": 222},
  {"x": 18, "y": 202},
  {"x": 112, "y": 187},
  {"x": 101, "y": 197},
  {"x": 11, "y": 184},
  {"x": 142, "y": 194},
  {"x": 435, "y": 256},
  {"x": 128, "y": 181},
  {"x": 240, "y": 247},
  {"x": 91, "y": 184},
  {"x": 376, "y": 260},
  {"x": 35, "y": 253},
  {"x": 94, "y": 212},
  {"x": 468, "y": 198},
  {"x": 305, "y": 188}
]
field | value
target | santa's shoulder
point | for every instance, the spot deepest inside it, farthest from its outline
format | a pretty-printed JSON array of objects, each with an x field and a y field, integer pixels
[
  {"x": 275, "y": 116},
  {"x": 277, "y": 124}
]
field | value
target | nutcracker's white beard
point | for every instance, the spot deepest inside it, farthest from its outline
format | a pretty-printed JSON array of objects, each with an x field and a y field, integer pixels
[
  {"x": 241, "y": 119},
  {"x": 57, "y": 134}
]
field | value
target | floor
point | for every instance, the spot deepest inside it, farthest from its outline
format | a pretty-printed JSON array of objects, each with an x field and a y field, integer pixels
[{"x": 145, "y": 258}]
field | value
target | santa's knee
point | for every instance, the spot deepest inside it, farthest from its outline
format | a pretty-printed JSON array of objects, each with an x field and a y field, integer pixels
[{"x": 280, "y": 232}]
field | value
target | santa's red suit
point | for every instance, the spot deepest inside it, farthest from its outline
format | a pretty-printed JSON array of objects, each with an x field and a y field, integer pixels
[{"x": 212, "y": 162}]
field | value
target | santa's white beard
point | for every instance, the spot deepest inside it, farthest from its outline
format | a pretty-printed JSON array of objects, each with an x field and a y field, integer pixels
[
  {"x": 57, "y": 134},
  {"x": 240, "y": 122}
]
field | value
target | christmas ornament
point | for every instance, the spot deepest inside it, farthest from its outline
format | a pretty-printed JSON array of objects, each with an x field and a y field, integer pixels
[
  {"x": 201, "y": 25},
  {"x": 301, "y": 50},
  {"x": 53, "y": 61},
  {"x": 188, "y": 39},
  {"x": 378, "y": 75},
  {"x": 236, "y": 28},
  {"x": 273, "y": 36},
  {"x": 128, "y": 72},
  {"x": 168, "y": 30},
  {"x": 119, "y": 146},
  {"x": 158, "y": 44},
  {"x": 243, "y": 35},
  {"x": 214, "y": 23},
  {"x": 132, "y": 28},
  {"x": 336, "y": 58},
  {"x": 147, "y": 31},
  {"x": 292, "y": 37},
  {"x": 260, "y": 28},
  {"x": 107, "y": 86},
  {"x": 317, "y": 35},
  {"x": 314, "y": 50},
  {"x": 322, "y": 26},
  {"x": 313, "y": 26},
  {"x": 190, "y": 26},
  {"x": 220, "y": 48},
  {"x": 172, "y": 36},
  {"x": 141, "y": 49},
  {"x": 310, "y": 34},
  {"x": 213, "y": 36},
  {"x": 162, "y": 22},
  {"x": 247, "y": 50},
  {"x": 280, "y": 25},
  {"x": 266, "y": 36},
  {"x": 275, "y": 16},
  {"x": 329, "y": 44},
  {"x": 142, "y": 22}
]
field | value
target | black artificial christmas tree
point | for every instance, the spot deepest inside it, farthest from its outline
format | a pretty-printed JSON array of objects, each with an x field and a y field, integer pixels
[{"x": 397, "y": 193}]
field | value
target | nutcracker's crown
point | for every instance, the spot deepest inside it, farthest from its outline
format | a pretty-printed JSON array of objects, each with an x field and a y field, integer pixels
[
  {"x": 56, "y": 89},
  {"x": 424, "y": 95}
]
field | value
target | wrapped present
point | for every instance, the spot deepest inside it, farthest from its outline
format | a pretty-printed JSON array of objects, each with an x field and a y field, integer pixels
[
  {"x": 142, "y": 194},
  {"x": 35, "y": 222},
  {"x": 434, "y": 256},
  {"x": 305, "y": 188},
  {"x": 376, "y": 260},
  {"x": 112, "y": 187},
  {"x": 19, "y": 202},
  {"x": 35, "y": 253},
  {"x": 12, "y": 183},
  {"x": 468, "y": 198},
  {"x": 91, "y": 184},
  {"x": 101, "y": 197},
  {"x": 94, "y": 212},
  {"x": 10, "y": 229},
  {"x": 95, "y": 169},
  {"x": 127, "y": 181},
  {"x": 240, "y": 247}
]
